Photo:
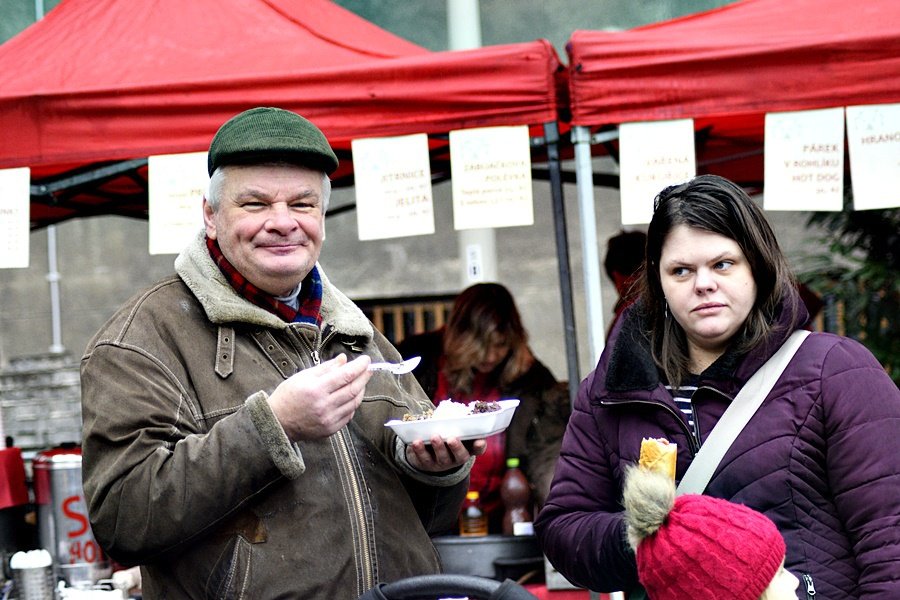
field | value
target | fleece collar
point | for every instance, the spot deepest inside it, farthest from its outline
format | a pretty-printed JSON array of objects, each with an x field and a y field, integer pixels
[
  {"x": 223, "y": 305},
  {"x": 631, "y": 368}
]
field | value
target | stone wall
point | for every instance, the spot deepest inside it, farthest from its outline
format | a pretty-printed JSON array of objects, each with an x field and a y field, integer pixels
[{"x": 40, "y": 401}]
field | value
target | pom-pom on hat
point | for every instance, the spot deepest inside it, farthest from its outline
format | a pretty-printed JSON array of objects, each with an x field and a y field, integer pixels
[
  {"x": 696, "y": 547},
  {"x": 267, "y": 133}
]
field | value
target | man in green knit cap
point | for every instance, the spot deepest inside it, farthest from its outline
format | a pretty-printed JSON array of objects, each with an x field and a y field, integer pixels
[{"x": 234, "y": 440}]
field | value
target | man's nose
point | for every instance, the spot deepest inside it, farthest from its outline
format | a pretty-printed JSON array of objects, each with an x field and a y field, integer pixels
[{"x": 280, "y": 218}]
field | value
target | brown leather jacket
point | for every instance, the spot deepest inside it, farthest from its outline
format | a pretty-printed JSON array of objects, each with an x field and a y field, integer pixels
[{"x": 187, "y": 472}]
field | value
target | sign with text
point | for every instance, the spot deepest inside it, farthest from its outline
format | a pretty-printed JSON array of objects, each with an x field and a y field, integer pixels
[
  {"x": 804, "y": 160},
  {"x": 873, "y": 134},
  {"x": 652, "y": 156},
  {"x": 393, "y": 187},
  {"x": 176, "y": 184},
  {"x": 15, "y": 205},
  {"x": 491, "y": 181}
]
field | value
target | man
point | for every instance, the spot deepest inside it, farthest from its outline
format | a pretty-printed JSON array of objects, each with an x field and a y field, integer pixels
[
  {"x": 234, "y": 441},
  {"x": 623, "y": 262}
]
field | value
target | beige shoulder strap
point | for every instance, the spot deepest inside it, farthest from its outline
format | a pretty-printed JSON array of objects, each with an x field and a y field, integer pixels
[{"x": 739, "y": 412}]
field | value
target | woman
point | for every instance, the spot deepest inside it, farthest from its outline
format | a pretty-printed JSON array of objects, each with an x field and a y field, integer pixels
[
  {"x": 483, "y": 354},
  {"x": 820, "y": 457}
]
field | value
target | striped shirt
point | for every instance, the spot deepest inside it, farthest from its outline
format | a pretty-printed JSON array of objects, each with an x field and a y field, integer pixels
[{"x": 682, "y": 397}]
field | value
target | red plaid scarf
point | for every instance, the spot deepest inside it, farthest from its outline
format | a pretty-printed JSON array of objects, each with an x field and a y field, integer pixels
[{"x": 310, "y": 299}]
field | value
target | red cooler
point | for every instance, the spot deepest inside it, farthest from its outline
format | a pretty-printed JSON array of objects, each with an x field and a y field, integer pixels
[
  {"x": 63, "y": 526},
  {"x": 13, "y": 501}
]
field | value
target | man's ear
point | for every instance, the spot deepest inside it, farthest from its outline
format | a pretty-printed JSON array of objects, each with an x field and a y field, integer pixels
[{"x": 208, "y": 221}]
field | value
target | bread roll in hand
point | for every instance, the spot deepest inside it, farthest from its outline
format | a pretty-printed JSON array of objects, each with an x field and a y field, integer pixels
[{"x": 658, "y": 455}]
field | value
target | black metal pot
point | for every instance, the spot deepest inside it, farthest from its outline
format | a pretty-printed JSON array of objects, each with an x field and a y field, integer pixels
[{"x": 496, "y": 557}]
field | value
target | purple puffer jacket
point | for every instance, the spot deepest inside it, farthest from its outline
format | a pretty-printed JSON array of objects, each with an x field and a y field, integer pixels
[{"x": 821, "y": 458}]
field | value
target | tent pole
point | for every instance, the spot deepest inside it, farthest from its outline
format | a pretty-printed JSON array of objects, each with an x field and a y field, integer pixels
[
  {"x": 477, "y": 247},
  {"x": 551, "y": 133},
  {"x": 56, "y": 346},
  {"x": 584, "y": 178},
  {"x": 53, "y": 277}
]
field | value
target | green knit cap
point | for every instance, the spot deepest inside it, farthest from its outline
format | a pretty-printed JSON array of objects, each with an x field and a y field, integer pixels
[{"x": 266, "y": 133}]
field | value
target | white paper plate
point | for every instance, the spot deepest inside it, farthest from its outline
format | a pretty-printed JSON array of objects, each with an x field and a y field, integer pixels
[{"x": 467, "y": 427}]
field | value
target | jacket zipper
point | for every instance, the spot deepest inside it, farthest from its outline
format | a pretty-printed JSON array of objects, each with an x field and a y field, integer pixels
[
  {"x": 697, "y": 438},
  {"x": 352, "y": 488},
  {"x": 810, "y": 588},
  {"x": 325, "y": 333},
  {"x": 692, "y": 439},
  {"x": 322, "y": 336},
  {"x": 359, "y": 528}
]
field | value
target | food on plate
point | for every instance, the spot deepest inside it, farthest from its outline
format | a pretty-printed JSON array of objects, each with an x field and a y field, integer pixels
[
  {"x": 456, "y": 420},
  {"x": 658, "y": 455},
  {"x": 478, "y": 407},
  {"x": 448, "y": 409}
]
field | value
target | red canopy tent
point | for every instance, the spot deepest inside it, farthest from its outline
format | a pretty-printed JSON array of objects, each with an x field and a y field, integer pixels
[
  {"x": 725, "y": 68},
  {"x": 93, "y": 89},
  {"x": 94, "y": 83}
]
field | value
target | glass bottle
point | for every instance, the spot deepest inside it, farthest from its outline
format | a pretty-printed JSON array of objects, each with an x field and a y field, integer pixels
[
  {"x": 472, "y": 519},
  {"x": 516, "y": 494}
]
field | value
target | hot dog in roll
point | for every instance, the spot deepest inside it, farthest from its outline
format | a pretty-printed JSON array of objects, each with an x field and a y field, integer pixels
[{"x": 659, "y": 455}]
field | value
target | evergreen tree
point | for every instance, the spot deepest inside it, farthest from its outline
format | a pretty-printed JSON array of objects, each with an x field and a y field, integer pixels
[{"x": 858, "y": 278}]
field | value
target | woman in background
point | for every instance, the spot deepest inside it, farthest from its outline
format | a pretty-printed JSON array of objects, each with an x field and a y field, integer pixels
[{"x": 483, "y": 354}]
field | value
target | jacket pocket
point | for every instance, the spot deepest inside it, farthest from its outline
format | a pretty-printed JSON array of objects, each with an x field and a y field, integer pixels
[{"x": 231, "y": 573}]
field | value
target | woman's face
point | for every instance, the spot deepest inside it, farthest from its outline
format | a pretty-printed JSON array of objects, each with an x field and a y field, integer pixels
[
  {"x": 783, "y": 586},
  {"x": 709, "y": 289},
  {"x": 494, "y": 354}
]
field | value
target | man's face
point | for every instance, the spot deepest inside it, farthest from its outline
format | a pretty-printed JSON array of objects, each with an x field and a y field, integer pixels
[{"x": 269, "y": 223}]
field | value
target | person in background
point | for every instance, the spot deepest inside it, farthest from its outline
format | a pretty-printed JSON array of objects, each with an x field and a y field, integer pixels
[
  {"x": 483, "y": 354},
  {"x": 813, "y": 303},
  {"x": 696, "y": 546},
  {"x": 234, "y": 443},
  {"x": 821, "y": 455},
  {"x": 623, "y": 262}
]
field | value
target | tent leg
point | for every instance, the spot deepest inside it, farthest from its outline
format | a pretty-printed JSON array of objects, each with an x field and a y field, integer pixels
[
  {"x": 584, "y": 177},
  {"x": 551, "y": 133},
  {"x": 56, "y": 346}
]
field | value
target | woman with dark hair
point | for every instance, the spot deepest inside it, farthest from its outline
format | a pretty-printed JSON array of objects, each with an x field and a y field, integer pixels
[
  {"x": 483, "y": 354},
  {"x": 820, "y": 456}
]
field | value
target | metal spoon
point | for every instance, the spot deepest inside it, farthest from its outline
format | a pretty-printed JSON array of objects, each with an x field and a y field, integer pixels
[{"x": 397, "y": 368}]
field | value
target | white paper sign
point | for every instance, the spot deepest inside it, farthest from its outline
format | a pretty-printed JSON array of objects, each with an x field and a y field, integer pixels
[
  {"x": 393, "y": 187},
  {"x": 873, "y": 134},
  {"x": 176, "y": 184},
  {"x": 804, "y": 160},
  {"x": 652, "y": 156},
  {"x": 491, "y": 183},
  {"x": 15, "y": 204}
]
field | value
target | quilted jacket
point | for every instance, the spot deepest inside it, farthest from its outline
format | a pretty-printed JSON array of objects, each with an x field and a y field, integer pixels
[
  {"x": 187, "y": 473},
  {"x": 821, "y": 458}
]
